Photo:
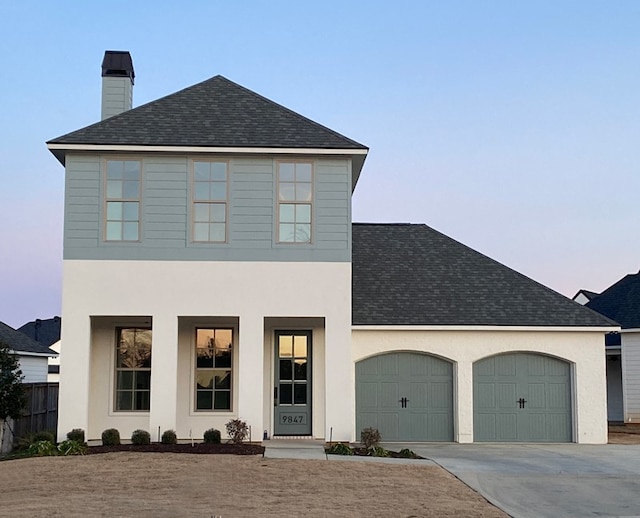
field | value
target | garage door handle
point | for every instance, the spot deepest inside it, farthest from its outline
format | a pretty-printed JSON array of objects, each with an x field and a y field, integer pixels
[
  {"x": 521, "y": 402},
  {"x": 403, "y": 401}
]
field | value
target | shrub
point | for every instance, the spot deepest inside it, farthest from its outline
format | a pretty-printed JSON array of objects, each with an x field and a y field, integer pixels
[
  {"x": 77, "y": 434},
  {"x": 71, "y": 447},
  {"x": 212, "y": 436},
  {"x": 378, "y": 451},
  {"x": 42, "y": 449},
  {"x": 237, "y": 430},
  {"x": 140, "y": 437},
  {"x": 370, "y": 437},
  {"x": 45, "y": 435},
  {"x": 169, "y": 437},
  {"x": 110, "y": 437},
  {"x": 340, "y": 449},
  {"x": 406, "y": 453}
]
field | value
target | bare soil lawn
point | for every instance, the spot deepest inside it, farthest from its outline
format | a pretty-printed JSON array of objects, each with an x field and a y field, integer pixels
[
  {"x": 624, "y": 434},
  {"x": 174, "y": 485}
]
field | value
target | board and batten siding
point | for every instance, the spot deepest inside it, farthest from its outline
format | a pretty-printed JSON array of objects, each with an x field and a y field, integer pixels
[
  {"x": 631, "y": 375},
  {"x": 165, "y": 227}
]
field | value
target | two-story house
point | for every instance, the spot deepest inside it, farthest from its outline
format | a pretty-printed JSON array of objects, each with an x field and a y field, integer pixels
[{"x": 212, "y": 271}]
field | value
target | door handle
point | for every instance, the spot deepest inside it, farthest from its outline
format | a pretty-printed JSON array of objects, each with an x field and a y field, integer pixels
[
  {"x": 521, "y": 402},
  {"x": 275, "y": 396},
  {"x": 403, "y": 401}
]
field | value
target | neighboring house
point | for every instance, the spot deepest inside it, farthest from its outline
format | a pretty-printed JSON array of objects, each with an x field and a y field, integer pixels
[
  {"x": 212, "y": 271},
  {"x": 47, "y": 332},
  {"x": 621, "y": 302},
  {"x": 584, "y": 296},
  {"x": 31, "y": 354}
]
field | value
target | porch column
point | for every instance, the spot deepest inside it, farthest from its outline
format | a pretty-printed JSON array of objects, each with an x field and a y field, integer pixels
[
  {"x": 339, "y": 379},
  {"x": 164, "y": 374},
  {"x": 74, "y": 387},
  {"x": 464, "y": 402},
  {"x": 250, "y": 375}
]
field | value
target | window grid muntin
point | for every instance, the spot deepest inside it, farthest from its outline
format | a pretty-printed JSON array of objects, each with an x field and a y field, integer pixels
[
  {"x": 220, "y": 394},
  {"x": 139, "y": 397},
  {"x": 295, "y": 202},
  {"x": 209, "y": 201},
  {"x": 123, "y": 181}
]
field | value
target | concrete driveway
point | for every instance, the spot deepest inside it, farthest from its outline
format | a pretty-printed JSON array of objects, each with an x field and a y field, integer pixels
[{"x": 553, "y": 480}]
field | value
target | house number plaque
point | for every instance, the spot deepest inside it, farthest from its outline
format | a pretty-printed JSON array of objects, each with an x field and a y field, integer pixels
[{"x": 293, "y": 419}]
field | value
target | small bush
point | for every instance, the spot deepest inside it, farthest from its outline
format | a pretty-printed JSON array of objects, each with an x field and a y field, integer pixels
[
  {"x": 44, "y": 436},
  {"x": 140, "y": 437},
  {"x": 340, "y": 449},
  {"x": 77, "y": 434},
  {"x": 212, "y": 436},
  {"x": 111, "y": 437},
  {"x": 169, "y": 437},
  {"x": 378, "y": 451},
  {"x": 406, "y": 453},
  {"x": 237, "y": 430},
  {"x": 370, "y": 438},
  {"x": 42, "y": 449},
  {"x": 71, "y": 447}
]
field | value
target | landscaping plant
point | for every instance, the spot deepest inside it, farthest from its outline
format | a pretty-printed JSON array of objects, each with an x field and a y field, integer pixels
[
  {"x": 71, "y": 447},
  {"x": 212, "y": 436},
  {"x": 12, "y": 393},
  {"x": 140, "y": 437},
  {"x": 169, "y": 437},
  {"x": 370, "y": 437},
  {"x": 340, "y": 449},
  {"x": 110, "y": 437},
  {"x": 237, "y": 430},
  {"x": 77, "y": 434}
]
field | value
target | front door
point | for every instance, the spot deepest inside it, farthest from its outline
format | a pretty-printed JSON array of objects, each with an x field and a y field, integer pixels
[{"x": 292, "y": 390}]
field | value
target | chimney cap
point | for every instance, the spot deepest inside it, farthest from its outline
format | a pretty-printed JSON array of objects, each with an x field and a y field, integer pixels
[{"x": 118, "y": 63}]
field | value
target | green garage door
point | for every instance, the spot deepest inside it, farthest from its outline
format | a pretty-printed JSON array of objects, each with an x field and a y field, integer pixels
[
  {"x": 406, "y": 396},
  {"x": 521, "y": 397}
]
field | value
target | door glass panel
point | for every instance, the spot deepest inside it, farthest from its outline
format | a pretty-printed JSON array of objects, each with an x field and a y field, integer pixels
[
  {"x": 300, "y": 393},
  {"x": 285, "y": 393},
  {"x": 285, "y": 369},
  {"x": 286, "y": 346},
  {"x": 301, "y": 370},
  {"x": 300, "y": 346}
]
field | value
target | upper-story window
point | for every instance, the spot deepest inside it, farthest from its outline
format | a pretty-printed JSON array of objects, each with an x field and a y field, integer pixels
[
  {"x": 295, "y": 195},
  {"x": 123, "y": 200},
  {"x": 210, "y": 201}
]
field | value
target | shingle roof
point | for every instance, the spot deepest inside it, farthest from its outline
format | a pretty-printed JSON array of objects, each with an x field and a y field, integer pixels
[
  {"x": 21, "y": 343},
  {"x": 214, "y": 113},
  {"x": 413, "y": 275},
  {"x": 46, "y": 331},
  {"x": 620, "y": 302}
]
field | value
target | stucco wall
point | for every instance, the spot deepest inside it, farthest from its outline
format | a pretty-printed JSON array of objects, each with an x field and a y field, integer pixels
[{"x": 585, "y": 351}]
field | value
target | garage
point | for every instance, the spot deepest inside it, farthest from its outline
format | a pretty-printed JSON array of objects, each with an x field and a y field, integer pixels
[
  {"x": 406, "y": 396},
  {"x": 522, "y": 397}
]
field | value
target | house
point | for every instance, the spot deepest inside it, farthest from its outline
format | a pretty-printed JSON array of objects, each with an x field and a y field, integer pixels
[
  {"x": 46, "y": 332},
  {"x": 212, "y": 271},
  {"x": 621, "y": 302},
  {"x": 32, "y": 355}
]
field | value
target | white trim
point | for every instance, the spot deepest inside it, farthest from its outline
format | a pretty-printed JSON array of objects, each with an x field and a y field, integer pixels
[
  {"x": 631, "y": 330},
  {"x": 481, "y": 328},
  {"x": 203, "y": 149},
  {"x": 26, "y": 353}
]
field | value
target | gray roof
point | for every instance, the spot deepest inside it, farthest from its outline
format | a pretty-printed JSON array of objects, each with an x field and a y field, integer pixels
[
  {"x": 620, "y": 302},
  {"x": 21, "y": 343},
  {"x": 45, "y": 331},
  {"x": 214, "y": 113},
  {"x": 407, "y": 274}
]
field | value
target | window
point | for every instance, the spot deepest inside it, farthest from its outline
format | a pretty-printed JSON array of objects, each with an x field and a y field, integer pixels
[
  {"x": 123, "y": 200},
  {"x": 133, "y": 369},
  {"x": 213, "y": 369},
  {"x": 294, "y": 202},
  {"x": 210, "y": 202}
]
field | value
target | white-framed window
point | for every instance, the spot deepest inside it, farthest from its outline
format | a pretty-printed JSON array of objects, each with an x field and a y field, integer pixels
[
  {"x": 209, "y": 201},
  {"x": 133, "y": 369},
  {"x": 122, "y": 200},
  {"x": 214, "y": 369},
  {"x": 295, "y": 201}
]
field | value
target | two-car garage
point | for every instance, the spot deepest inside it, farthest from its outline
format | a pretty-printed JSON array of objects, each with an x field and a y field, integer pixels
[{"x": 409, "y": 396}]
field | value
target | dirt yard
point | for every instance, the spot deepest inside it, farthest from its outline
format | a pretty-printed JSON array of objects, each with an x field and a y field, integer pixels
[
  {"x": 174, "y": 485},
  {"x": 624, "y": 434}
]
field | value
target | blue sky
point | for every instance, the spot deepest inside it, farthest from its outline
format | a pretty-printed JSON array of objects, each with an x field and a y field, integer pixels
[{"x": 513, "y": 127}]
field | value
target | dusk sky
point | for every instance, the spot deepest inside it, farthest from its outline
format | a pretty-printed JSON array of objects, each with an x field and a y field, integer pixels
[{"x": 513, "y": 127}]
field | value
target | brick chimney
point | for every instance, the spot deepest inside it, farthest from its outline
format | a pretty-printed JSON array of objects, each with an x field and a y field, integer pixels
[{"x": 117, "y": 83}]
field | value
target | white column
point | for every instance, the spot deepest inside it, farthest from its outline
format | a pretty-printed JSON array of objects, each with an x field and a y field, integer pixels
[
  {"x": 164, "y": 374},
  {"x": 250, "y": 373},
  {"x": 75, "y": 366},
  {"x": 464, "y": 402},
  {"x": 339, "y": 379}
]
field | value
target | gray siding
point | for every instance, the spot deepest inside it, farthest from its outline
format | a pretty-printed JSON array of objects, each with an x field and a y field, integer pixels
[
  {"x": 631, "y": 380},
  {"x": 165, "y": 229}
]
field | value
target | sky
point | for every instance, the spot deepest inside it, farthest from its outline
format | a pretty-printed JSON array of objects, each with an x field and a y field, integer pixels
[{"x": 512, "y": 127}]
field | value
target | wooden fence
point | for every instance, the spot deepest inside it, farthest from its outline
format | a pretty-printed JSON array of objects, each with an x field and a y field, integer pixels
[{"x": 41, "y": 410}]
